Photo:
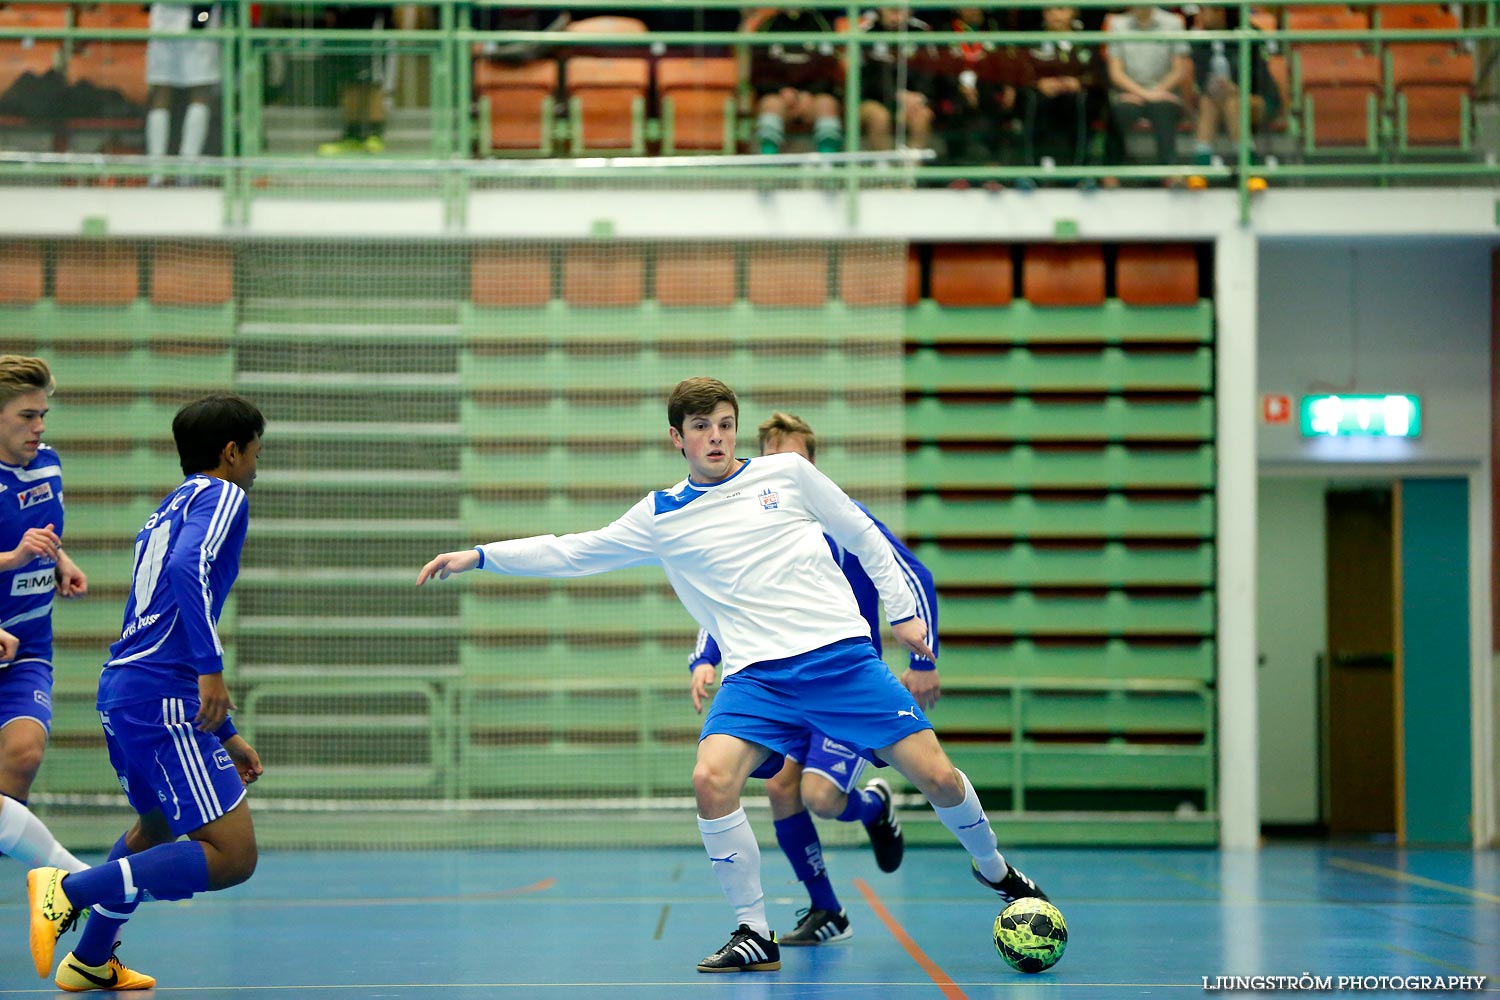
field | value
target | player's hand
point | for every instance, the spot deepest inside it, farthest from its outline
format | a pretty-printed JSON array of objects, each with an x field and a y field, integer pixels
[
  {"x": 35, "y": 542},
  {"x": 703, "y": 679},
  {"x": 447, "y": 564},
  {"x": 912, "y": 634},
  {"x": 924, "y": 686},
  {"x": 246, "y": 760},
  {"x": 9, "y": 644},
  {"x": 71, "y": 581},
  {"x": 214, "y": 705}
]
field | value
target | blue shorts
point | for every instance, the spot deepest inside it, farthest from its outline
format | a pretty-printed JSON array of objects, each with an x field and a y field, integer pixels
[
  {"x": 828, "y": 758},
  {"x": 843, "y": 690},
  {"x": 26, "y": 693},
  {"x": 164, "y": 763}
]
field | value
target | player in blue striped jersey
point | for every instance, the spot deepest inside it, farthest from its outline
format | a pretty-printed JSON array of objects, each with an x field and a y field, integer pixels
[
  {"x": 821, "y": 773},
  {"x": 741, "y": 541},
  {"x": 165, "y": 709}
]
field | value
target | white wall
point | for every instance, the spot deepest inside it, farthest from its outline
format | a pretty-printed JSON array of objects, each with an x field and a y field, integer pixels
[{"x": 1372, "y": 315}]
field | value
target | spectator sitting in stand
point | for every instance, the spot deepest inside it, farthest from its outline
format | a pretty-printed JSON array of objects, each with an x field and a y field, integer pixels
[
  {"x": 1146, "y": 76},
  {"x": 893, "y": 94},
  {"x": 1216, "y": 71},
  {"x": 1064, "y": 96},
  {"x": 798, "y": 83}
]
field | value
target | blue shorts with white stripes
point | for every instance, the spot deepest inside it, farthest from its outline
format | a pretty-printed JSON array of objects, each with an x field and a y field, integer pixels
[
  {"x": 26, "y": 693},
  {"x": 164, "y": 763}
]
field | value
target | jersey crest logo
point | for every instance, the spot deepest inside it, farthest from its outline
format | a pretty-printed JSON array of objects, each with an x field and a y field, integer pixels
[
  {"x": 40, "y": 493},
  {"x": 769, "y": 499}
]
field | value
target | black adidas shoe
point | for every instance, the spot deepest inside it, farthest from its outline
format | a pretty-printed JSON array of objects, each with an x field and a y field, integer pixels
[
  {"x": 746, "y": 951},
  {"x": 885, "y": 830},
  {"x": 819, "y": 927},
  {"x": 1012, "y": 887}
]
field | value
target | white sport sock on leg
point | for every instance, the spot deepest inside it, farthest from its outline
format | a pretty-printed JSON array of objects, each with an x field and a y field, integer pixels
[
  {"x": 194, "y": 130},
  {"x": 27, "y": 839},
  {"x": 735, "y": 855},
  {"x": 972, "y": 828},
  {"x": 158, "y": 126}
]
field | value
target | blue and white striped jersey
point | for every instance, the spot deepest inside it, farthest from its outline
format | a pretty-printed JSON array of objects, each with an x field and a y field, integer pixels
[
  {"x": 918, "y": 577},
  {"x": 746, "y": 556},
  {"x": 186, "y": 558},
  {"x": 31, "y": 496}
]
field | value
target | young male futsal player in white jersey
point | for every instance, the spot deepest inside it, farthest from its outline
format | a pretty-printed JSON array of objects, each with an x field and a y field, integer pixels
[
  {"x": 165, "y": 709},
  {"x": 741, "y": 541},
  {"x": 821, "y": 774}
]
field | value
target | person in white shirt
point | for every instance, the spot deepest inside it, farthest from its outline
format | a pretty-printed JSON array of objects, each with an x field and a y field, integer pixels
[
  {"x": 172, "y": 64},
  {"x": 742, "y": 543},
  {"x": 1146, "y": 76}
]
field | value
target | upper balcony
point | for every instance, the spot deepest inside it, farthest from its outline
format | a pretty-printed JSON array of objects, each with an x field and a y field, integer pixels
[{"x": 1021, "y": 95}]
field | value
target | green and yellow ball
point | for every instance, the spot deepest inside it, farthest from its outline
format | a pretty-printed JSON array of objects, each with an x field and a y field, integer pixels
[{"x": 1031, "y": 935}]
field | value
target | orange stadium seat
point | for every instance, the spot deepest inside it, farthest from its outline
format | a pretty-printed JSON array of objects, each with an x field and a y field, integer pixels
[
  {"x": 503, "y": 276},
  {"x": 17, "y": 57},
  {"x": 604, "y": 275},
  {"x": 21, "y": 274},
  {"x": 872, "y": 275},
  {"x": 1417, "y": 17},
  {"x": 607, "y": 103},
  {"x": 520, "y": 104},
  {"x": 1430, "y": 90},
  {"x": 697, "y": 103},
  {"x": 691, "y": 275},
  {"x": 119, "y": 66},
  {"x": 1157, "y": 274},
  {"x": 913, "y": 276},
  {"x": 972, "y": 274},
  {"x": 96, "y": 274},
  {"x": 195, "y": 276},
  {"x": 1339, "y": 88},
  {"x": 1063, "y": 274},
  {"x": 34, "y": 15},
  {"x": 787, "y": 276},
  {"x": 114, "y": 15}
]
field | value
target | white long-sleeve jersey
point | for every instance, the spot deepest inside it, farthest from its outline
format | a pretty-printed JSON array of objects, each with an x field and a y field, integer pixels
[{"x": 746, "y": 556}]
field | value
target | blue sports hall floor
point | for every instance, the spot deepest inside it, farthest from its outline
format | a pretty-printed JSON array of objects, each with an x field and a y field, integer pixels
[{"x": 631, "y": 925}]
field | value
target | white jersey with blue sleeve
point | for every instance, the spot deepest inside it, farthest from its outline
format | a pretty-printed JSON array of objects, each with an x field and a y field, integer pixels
[
  {"x": 918, "y": 578},
  {"x": 746, "y": 556},
  {"x": 186, "y": 559},
  {"x": 31, "y": 496}
]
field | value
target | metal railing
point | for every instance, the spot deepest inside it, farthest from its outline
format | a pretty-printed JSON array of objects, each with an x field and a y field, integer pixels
[{"x": 448, "y": 45}]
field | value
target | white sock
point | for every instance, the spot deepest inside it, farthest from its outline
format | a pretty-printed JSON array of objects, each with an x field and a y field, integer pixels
[
  {"x": 26, "y": 839},
  {"x": 194, "y": 129},
  {"x": 736, "y": 859},
  {"x": 972, "y": 828},
  {"x": 158, "y": 125}
]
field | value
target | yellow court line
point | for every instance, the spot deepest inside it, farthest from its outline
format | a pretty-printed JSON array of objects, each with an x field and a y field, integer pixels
[{"x": 1397, "y": 875}]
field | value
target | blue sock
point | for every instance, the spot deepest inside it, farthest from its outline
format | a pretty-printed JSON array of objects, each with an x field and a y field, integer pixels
[
  {"x": 799, "y": 842},
  {"x": 168, "y": 871},
  {"x": 863, "y": 806},
  {"x": 102, "y": 929}
]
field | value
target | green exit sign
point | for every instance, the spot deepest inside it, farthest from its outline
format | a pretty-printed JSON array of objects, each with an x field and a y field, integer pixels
[{"x": 1370, "y": 416}]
